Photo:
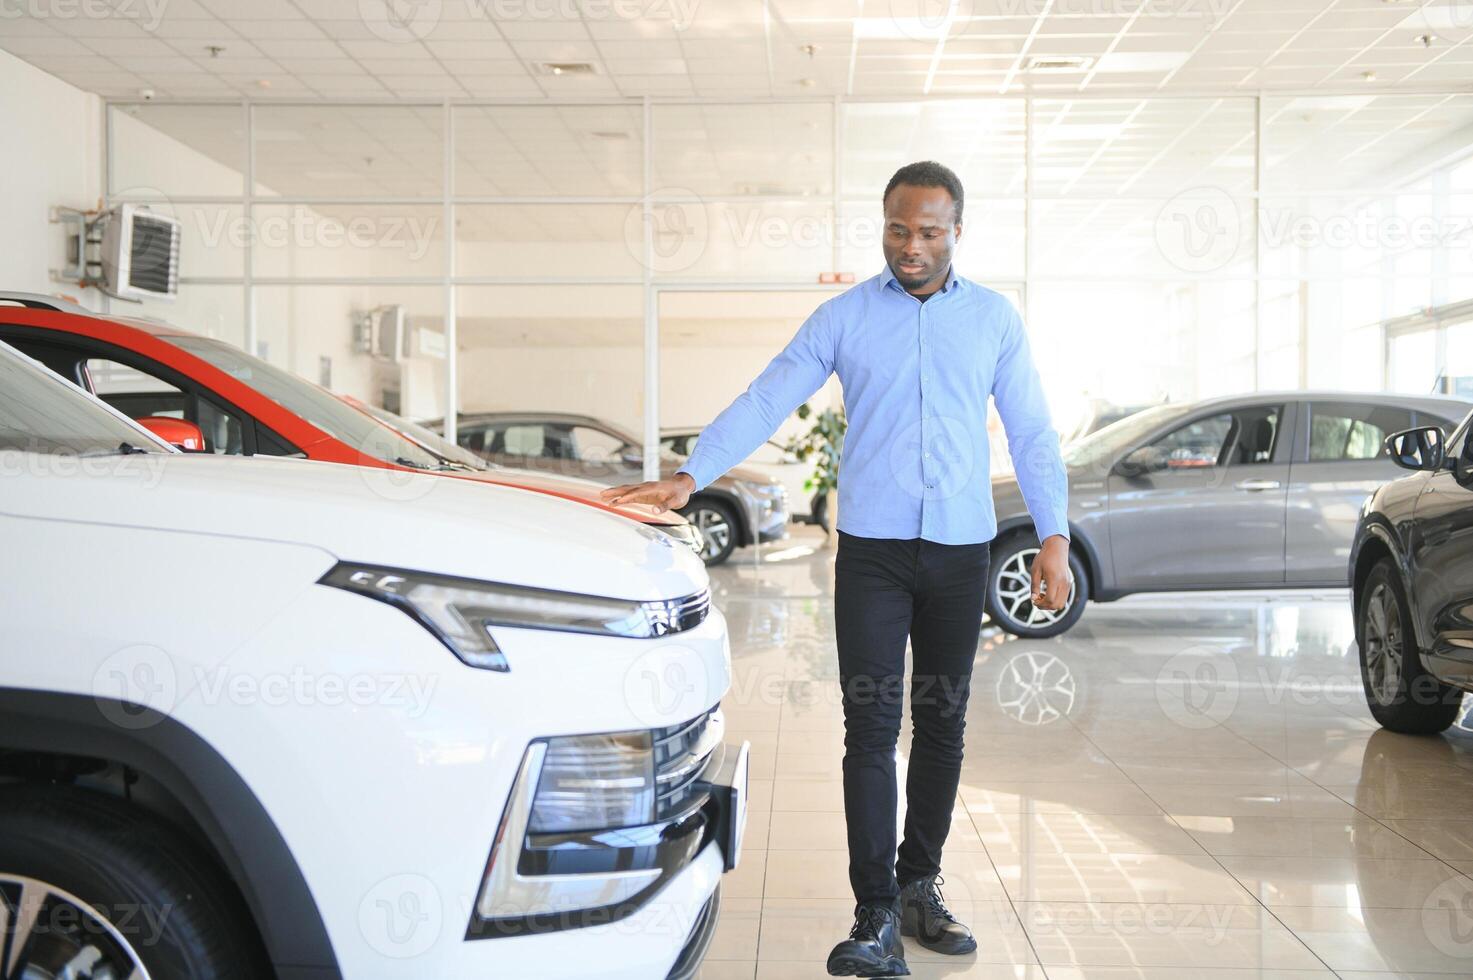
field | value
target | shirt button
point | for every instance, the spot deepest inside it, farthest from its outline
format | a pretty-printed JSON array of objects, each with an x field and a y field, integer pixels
[{"x": 928, "y": 455}]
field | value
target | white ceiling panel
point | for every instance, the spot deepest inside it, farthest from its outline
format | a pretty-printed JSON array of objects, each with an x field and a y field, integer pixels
[
  {"x": 764, "y": 47},
  {"x": 750, "y": 49}
]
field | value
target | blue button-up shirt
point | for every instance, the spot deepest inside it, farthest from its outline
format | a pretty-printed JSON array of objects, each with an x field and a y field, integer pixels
[{"x": 916, "y": 378}]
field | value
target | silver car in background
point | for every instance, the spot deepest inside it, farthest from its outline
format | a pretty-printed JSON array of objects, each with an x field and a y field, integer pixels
[
  {"x": 743, "y": 507},
  {"x": 772, "y": 458},
  {"x": 1254, "y": 491}
]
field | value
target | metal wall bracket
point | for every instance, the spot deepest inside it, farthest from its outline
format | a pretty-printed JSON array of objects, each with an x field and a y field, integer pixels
[{"x": 83, "y": 244}]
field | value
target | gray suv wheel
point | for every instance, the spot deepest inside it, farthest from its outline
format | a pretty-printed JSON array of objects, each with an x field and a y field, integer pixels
[
  {"x": 718, "y": 524},
  {"x": 1009, "y": 585}
]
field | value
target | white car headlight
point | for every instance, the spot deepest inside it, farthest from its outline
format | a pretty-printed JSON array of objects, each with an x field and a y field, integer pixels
[{"x": 461, "y": 612}]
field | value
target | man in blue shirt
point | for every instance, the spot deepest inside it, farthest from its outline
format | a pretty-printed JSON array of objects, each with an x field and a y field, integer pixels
[{"x": 918, "y": 350}]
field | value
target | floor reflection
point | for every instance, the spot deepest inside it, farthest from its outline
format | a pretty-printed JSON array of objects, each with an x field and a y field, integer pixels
[{"x": 1182, "y": 785}]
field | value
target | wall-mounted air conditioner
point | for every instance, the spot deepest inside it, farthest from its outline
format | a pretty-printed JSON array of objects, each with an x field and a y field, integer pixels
[
  {"x": 140, "y": 253},
  {"x": 390, "y": 333},
  {"x": 129, "y": 251}
]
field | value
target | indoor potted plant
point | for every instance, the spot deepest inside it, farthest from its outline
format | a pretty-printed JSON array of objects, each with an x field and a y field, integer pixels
[{"x": 823, "y": 443}]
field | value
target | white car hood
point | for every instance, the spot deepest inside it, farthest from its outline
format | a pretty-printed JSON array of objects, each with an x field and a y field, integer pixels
[{"x": 379, "y": 517}]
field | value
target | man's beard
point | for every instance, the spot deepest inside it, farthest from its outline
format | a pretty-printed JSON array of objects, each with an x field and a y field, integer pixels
[{"x": 914, "y": 281}]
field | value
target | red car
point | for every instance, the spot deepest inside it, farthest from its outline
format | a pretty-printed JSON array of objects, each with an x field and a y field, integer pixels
[{"x": 207, "y": 395}]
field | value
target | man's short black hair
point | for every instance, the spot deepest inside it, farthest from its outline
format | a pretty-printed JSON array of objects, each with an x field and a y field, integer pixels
[{"x": 928, "y": 173}]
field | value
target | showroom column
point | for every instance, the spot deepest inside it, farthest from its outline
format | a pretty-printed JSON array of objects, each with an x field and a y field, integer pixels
[
  {"x": 651, "y": 312},
  {"x": 248, "y": 211},
  {"x": 447, "y": 215}
]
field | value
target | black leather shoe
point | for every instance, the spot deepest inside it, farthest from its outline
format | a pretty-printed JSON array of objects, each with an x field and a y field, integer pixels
[
  {"x": 924, "y": 917},
  {"x": 873, "y": 948}
]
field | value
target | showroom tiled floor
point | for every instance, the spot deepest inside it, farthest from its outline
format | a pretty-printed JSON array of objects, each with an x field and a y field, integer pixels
[{"x": 1180, "y": 787}]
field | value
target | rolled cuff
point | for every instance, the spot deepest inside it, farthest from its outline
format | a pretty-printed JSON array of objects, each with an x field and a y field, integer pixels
[
  {"x": 1047, "y": 525},
  {"x": 697, "y": 472}
]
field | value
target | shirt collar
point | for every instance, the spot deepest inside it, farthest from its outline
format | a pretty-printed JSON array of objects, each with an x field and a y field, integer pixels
[{"x": 888, "y": 280}]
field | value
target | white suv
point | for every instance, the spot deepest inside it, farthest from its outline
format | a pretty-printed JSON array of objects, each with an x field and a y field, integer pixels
[{"x": 280, "y": 718}]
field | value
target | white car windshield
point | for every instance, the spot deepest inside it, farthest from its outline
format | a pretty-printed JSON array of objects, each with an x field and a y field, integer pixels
[
  {"x": 42, "y": 413},
  {"x": 310, "y": 403}
]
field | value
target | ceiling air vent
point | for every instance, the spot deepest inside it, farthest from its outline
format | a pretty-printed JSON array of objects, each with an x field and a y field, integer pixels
[
  {"x": 1058, "y": 64},
  {"x": 566, "y": 68}
]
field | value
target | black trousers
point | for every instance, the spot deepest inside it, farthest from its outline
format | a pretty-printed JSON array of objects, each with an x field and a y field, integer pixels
[{"x": 885, "y": 590}]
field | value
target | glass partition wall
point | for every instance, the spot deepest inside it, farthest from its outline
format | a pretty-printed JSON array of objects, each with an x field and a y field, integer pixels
[{"x": 453, "y": 256}]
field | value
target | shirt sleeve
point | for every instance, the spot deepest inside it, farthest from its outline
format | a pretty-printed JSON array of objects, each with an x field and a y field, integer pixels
[
  {"x": 789, "y": 380},
  {"x": 1032, "y": 441}
]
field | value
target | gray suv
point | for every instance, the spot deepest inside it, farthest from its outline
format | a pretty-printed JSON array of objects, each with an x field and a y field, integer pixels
[
  {"x": 741, "y": 508},
  {"x": 1254, "y": 491}
]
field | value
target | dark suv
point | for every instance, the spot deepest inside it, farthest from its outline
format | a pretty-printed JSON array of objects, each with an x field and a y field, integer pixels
[{"x": 1411, "y": 571}]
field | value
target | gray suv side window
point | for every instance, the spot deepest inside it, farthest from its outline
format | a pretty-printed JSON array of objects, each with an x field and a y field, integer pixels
[
  {"x": 1344, "y": 431},
  {"x": 1257, "y": 435},
  {"x": 1241, "y": 437},
  {"x": 1199, "y": 443}
]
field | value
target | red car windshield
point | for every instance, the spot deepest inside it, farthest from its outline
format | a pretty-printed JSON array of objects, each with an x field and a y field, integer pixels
[
  {"x": 430, "y": 440},
  {"x": 309, "y": 402}
]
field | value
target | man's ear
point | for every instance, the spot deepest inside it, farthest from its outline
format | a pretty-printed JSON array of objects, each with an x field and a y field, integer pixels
[{"x": 957, "y": 231}]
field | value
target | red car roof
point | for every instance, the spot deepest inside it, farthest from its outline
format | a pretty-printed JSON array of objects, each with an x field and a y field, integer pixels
[{"x": 144, "y": 337}]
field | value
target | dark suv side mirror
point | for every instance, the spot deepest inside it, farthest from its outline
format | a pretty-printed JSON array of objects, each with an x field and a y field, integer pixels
[
  {"x": 1417, "y": 449},
  {"x": 1139, "y": 462}
]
